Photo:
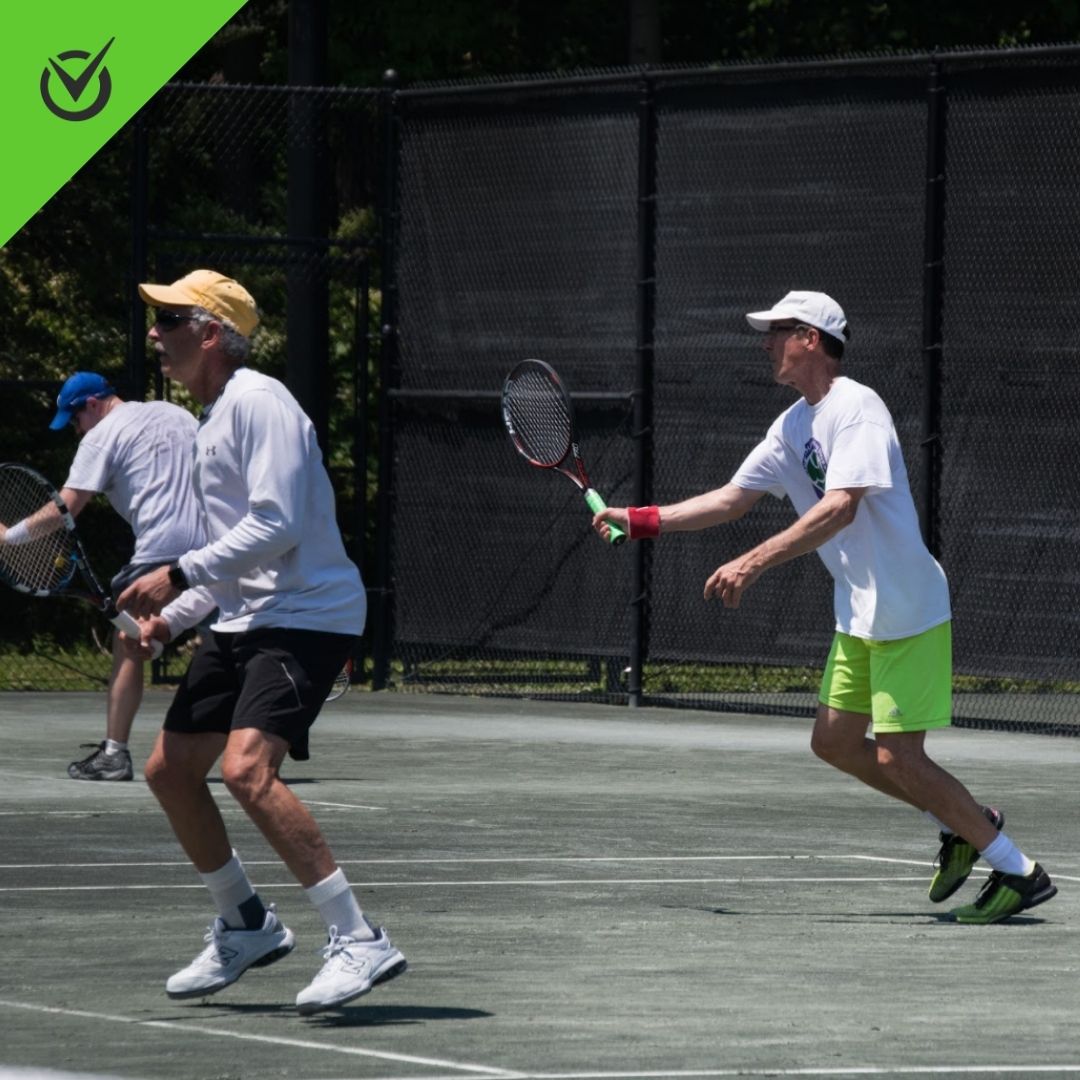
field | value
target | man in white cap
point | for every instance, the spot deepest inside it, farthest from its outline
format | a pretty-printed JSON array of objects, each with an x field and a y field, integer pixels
[
  {"x": 291, "y": 605},
  {"x": 836, "y": 456},
  {"x": 138, "y": 454}
]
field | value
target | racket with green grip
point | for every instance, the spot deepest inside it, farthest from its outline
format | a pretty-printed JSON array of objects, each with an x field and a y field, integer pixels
[{"x": 537, "y": 413}]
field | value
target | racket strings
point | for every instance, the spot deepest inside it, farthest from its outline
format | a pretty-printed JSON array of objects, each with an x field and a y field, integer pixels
[
  {"x": 539, "y": 417},
  {"x": 46, "y": 562}
]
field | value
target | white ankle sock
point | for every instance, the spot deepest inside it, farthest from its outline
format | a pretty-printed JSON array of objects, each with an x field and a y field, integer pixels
[
  {"x": 338, "y": 906},
  {"x": 1005, "y": 856},
  {"x": 114, "y": 747},
  {"x": 234, "y": 896}
]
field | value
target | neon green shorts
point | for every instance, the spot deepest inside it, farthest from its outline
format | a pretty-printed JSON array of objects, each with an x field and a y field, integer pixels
[{"x": 905, "y": 685}]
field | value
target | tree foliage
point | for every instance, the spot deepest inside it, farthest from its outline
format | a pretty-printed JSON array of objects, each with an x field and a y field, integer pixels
[{"x": 459, "y": 39}]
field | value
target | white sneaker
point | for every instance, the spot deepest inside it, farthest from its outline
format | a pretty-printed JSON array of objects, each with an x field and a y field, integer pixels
[
  {"x": 352, "y": 968},
  {"x": 228, "y": 954}
]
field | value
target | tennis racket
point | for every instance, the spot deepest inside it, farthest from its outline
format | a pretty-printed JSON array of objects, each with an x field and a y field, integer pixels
[
  {"x": 52, "y": 562},
  {"x": 341, "y": 682},
  {"x": 537, "y": 413}
]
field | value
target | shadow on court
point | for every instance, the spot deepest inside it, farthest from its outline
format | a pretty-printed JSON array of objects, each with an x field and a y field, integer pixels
[
  {"x": 362, "y": 1015},
  {"x": 578, "y": 890},
  {"x": 895, "y": 917}
]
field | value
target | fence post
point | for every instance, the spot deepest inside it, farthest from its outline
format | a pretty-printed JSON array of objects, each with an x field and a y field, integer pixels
[
  {"x": 140, "y": 201},
  {"x": 381, "y": 593},
  {"x": 361, "y": 427},
  {"x": 933, "y": 303},
  {"x": 643, "y": 377}
]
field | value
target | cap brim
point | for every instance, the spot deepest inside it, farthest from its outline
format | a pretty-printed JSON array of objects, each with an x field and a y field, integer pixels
[
  {"x": 762, "y": 320},
  {"x": 61, "y": 419},
  {"x": 164, "y": 296}
]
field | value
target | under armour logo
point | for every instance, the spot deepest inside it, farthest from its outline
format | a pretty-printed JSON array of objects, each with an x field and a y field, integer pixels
[{"x": 211, "y": 451}]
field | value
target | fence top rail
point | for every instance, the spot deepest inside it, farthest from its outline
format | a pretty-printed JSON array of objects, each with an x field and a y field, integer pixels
[
  {"x": 547, "y": 81},
  {"x": 738, "y": 69},
  {"x": 275, "y": 88}
]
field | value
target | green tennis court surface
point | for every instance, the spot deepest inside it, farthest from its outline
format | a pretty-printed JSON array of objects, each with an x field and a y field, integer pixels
[{"x": 580, "y": 891}]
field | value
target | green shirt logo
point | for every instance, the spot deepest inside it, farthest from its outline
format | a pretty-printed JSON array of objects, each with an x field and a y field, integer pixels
[{"x": 815, "y": 464}]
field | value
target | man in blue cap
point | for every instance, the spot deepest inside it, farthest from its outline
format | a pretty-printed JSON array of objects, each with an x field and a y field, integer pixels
[{"x": 137, "y": 454}]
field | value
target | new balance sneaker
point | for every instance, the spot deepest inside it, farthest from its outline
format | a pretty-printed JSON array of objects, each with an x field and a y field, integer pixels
[
  {"x": 1006, "y": 894},
  {"x": 351, "y": 969},
  {"x": 956, "y": 859},
  {"x": 102, "y": 766},
  {"x": 228, "y": 954}
]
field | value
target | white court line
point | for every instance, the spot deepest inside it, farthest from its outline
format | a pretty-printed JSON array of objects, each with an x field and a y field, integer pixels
[
  {"x": 458, "y": 861},
  {"x": 832, "y": 1070},
  {"x": 510, "y": 1074},
  {"x": 302, "y": 1044},
  {"x": 225, "y": 808},
  {"x": 842, "y": 880},
  {"x": 343, "y": 805},
  {"x": 511, "y": 860},
  {"x": 65, "y": 813}
]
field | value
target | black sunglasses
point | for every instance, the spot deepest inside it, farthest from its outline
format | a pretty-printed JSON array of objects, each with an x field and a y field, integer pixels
[{"x": 169, "y": 320}]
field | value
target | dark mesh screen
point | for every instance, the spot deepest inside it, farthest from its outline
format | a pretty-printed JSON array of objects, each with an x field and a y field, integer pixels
[
  {"x": 519, "y": 234},
  {"x": 1011, "y": 387},
  {"x": 764, "y": 186},
  {"x": 516, "y": 240}
]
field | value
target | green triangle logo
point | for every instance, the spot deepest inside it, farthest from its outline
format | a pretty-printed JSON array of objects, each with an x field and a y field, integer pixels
[{"x": 73, "y": 74}]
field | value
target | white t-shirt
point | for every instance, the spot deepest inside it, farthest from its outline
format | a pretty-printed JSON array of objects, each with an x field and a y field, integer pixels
[
  {"x": 887, "y": 584},
  {"x": 275, "y": 555},
  {"x": 139, "y": 456}
]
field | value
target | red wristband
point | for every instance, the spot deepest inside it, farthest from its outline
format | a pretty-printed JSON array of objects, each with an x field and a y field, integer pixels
[{"x": 644, "y": 522}]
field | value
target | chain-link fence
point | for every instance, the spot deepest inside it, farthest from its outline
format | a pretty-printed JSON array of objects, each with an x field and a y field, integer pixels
[
  {"x": 618, "y": 226},
  {"x": 274, "y": 186}
]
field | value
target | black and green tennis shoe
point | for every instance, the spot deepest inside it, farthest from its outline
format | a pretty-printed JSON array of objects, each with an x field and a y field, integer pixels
[
  {"x": 956, "y": 859},
  {"x": 1006, "y": 894}
]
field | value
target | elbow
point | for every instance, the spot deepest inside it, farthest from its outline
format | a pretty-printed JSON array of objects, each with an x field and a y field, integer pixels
[{"x": 847, "y": 506}]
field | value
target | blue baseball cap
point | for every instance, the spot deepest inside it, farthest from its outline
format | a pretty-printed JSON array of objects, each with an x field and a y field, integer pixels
[{"x": 82, "y": 386}]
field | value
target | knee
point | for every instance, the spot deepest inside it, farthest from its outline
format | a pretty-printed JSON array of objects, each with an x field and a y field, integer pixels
[
  {"x": 245, "y": 779},
  {"x": 827, "y": 746},
  {"x": 161, "y": 778},
  {"x": 896, "y": 762}
]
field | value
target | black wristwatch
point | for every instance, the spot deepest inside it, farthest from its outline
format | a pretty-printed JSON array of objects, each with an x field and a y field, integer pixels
[{"x": 176, "y": 576}]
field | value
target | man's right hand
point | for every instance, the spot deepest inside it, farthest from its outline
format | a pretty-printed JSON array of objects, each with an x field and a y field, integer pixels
[
  {"x": 150, "y": 630},
  {"x": 617, "y": 515}
]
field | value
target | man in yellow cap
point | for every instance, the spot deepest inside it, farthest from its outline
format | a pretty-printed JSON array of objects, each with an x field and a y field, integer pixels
[{"x": 291, "y": 606}]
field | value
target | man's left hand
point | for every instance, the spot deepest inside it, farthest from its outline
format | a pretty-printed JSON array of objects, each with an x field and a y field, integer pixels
[
  {"x": 147, "y": 595},
  {"x": 731, "y": 580}
]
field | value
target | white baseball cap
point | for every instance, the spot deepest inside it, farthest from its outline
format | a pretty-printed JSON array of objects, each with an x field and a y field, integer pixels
[{"x": 813, "y": 308}]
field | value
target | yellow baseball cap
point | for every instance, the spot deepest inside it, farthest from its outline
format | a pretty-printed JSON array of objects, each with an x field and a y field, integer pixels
[{"x": 220, "y": 295}]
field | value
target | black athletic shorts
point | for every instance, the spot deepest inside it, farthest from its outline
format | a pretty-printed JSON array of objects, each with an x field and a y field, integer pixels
[{"x": 270, "y": 679}]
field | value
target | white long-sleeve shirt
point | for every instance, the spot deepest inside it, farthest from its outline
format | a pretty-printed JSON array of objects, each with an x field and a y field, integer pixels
[{"x": 275, "y": 555}]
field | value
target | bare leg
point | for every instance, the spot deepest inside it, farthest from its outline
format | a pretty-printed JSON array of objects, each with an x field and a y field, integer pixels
[
  {"x": 125, "y": 694},
  {"x": 840, "y": 739},
  {"x": 249, "y": 768},
  {"x": 903, "y": 759},
  {"x": 176, "y": 773}
]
